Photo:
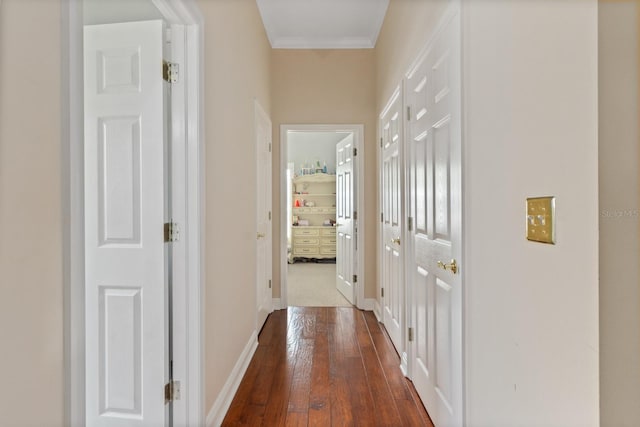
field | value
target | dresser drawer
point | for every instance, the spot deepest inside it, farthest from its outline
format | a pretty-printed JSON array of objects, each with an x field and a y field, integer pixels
[
  {"x": 328, "y": 250},
  {"x": 303, "y": 251},
  {"x": 328, "y": 241},
  {"x": 305, "y": 232},
  {"x": 329, "y": 231},
  {"x": 306, "y": 241}
]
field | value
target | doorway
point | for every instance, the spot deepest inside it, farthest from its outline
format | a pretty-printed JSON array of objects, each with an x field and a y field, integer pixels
[
  {"x": 316, "y": 268},
  {"x": 182, "y": 179}
]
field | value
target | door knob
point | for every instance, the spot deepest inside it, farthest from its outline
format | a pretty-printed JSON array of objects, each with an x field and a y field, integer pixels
[
  {"x": 261, "y": 235},
  {"x": 453, "y": 266},
  {"x": 396, "y": 241}
]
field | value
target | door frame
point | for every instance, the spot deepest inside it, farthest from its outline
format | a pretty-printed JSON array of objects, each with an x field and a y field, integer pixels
[
  {"x": 187, "y": 106},
  {"x": 358, "y": 141}
]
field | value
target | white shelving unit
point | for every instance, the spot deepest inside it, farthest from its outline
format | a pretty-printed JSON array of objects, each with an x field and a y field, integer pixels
[{"x": 314, "y": 203}]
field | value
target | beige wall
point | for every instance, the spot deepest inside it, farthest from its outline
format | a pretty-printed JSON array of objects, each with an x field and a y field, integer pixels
[
  {"x": 326, "y": 87},
  {"x": 619, "y": 219},
  {"x": 31, "y": 308},
  {"x": 236, "y": 71},
  {"x": 407, "y": 27}
]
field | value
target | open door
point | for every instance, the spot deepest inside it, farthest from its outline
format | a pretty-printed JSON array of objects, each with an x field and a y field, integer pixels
[
  {"x": 126, "y": 207},
  {"x": 345, "y": 221}
]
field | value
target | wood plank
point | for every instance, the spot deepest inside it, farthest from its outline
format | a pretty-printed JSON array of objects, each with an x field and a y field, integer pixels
[
  {"x": 320, "y": 396},
  {"x": 386, "y": 409}
]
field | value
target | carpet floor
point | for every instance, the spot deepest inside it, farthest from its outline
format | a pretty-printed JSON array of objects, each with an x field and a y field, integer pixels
[{"x": 313, "y": 285}]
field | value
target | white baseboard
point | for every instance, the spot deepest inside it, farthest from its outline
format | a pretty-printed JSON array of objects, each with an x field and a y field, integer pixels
[
  {"x": 222, "y": 403},
  {"x": 277, "y": 304},
  {"x": 404, "y": 363}
]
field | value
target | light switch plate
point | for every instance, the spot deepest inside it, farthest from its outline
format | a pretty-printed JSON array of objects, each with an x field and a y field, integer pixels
[{"x": 541, "y": 219}]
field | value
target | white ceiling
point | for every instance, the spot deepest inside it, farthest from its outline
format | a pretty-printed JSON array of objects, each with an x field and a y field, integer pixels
[{"x": 322, "y": 24}]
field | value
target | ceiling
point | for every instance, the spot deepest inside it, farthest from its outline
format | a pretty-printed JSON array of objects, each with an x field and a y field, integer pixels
[{"x": 322, "y": 24}]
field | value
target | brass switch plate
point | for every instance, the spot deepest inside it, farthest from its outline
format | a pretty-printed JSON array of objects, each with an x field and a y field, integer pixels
[{"x": 541, "y": 219}]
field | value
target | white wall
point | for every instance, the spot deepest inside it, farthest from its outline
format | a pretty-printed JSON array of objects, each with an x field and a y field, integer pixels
[
  {"x": 619, "y": 207},
  {"x": 110, "y": 11},
  {"x": 307, "y": 147},
  {"x": 530, "y": 126}
]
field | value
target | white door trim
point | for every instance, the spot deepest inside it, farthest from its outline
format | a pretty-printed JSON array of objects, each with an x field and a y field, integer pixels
[
  {"x": 358, "y": 133},
  {"x": 187, "y": 110}
]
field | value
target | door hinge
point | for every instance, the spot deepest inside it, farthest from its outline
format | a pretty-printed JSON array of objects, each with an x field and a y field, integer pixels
[
  {"x": 408, "y": 113},
  {"x": 171, "y": 232},
  {"x": 171, "y": 391},
  {"x": 355, "y": 214},
  {"x": 269, "y": 283},
  {"x": 410, "y": 223},
  {"x": 410, "y": 334},
  {"x": 382, "y": 292},
  {"x": 269, "y": 215},
  {"x": 269, "y": 147},
  {"x": 355, "y": 278},
  {"x": 170, "y": 71},
  {"x": 381, "y": 217},
  {"x": 380, "y": 142},
  {"x": 355, "y": 151}
]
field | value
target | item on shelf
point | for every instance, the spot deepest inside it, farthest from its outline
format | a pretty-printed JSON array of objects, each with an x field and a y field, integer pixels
[{"x": 303, "y": 222}]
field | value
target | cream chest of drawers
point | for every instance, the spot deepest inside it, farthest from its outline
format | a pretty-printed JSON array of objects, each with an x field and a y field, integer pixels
[{"x": 314, "y": 242}]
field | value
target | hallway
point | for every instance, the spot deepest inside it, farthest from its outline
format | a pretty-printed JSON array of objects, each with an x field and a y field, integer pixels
[{"x": 309, "y": 369}]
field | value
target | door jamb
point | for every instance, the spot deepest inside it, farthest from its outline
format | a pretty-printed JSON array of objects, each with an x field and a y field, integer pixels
[
  {"x": 187, "y": 118},
  {"x": 358, "y": 141}
]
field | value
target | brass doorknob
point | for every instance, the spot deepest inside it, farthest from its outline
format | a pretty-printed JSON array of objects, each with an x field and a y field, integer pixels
[
  {"x": 261, "y": 235},
  {"x": 452, "y": 266},
  {"x": 396, "y": 241}
]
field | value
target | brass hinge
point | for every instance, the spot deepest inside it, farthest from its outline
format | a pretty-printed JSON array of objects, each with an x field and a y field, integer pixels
[
  {"x": 355, "y": 214},
  {"x": 408, "y": 113},
  {"x": 269, "y": 215},
  {"x": 269, "y": 283},
  {"x": 381, "y": 217},
  {"x": 171, "y": 391},
  {"x": 170, "y": 71},
  {"x": 410, "y": 223},
  {"x": 382, "y": 292},
  {"x": 355, "y": 278},
  {"x": 171, "y": 232},
  {"x": 410, "y": 334},
  {"x": 355, "y": 151},
  {"x": 380, "y": 142},
  {"x": 269, "y": 147}
]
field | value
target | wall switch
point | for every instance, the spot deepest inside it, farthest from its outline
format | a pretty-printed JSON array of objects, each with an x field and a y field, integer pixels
[{"x": 541, "y": 219}]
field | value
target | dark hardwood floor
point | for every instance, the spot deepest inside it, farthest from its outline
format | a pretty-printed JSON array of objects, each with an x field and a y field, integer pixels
[{"x": 328, "y": 366}]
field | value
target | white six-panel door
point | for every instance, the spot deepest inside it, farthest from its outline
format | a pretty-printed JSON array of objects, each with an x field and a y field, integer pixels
[
  {"x": 434, "y": 141},
  {"x": 264, "y": 296},
  {"x": 125, "y": 288},
  {"x": 393, "y": 301},
  {"x": 345, "y": 236}
]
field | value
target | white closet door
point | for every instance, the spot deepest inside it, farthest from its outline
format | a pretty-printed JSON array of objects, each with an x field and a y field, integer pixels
[
  {"x": 393, "y": 302},
  {"x": 126, "y": 287},
  {"x": 434, "y": 132},
  {"x": 264, "y": 297}
]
